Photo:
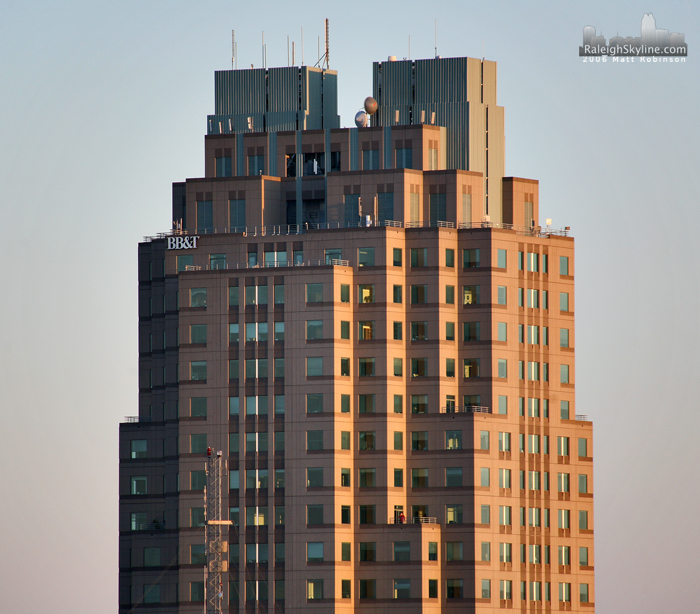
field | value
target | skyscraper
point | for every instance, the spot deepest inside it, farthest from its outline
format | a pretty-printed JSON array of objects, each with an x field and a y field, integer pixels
[{"x": 388, "y": 373}]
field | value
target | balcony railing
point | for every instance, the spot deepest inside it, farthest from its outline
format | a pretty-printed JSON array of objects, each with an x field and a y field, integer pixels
[
  {"x": 267, "y": 265},
  {"x": 295, "y": 229},
  {"x": 415, "y": 520},
  {"x": 134, "y": 419},
  {"x": 465, "y": 409},
  {"x": 582, "y": 417}
]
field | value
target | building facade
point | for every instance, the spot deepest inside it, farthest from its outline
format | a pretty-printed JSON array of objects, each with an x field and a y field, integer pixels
[{"x": 390, "y": 380}]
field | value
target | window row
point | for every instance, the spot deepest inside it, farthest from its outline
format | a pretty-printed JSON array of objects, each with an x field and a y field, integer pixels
[{"x": 419, "y": 440}]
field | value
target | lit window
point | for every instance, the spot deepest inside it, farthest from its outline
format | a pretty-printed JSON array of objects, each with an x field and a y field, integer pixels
[
  {"x": 366, "y": 293},
  {"x": 138, "y": 485},
  {"x": 453, "y": 440}
]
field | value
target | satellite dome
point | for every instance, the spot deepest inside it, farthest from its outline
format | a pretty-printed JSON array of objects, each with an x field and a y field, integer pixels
[
  {"x": 370, "y": 105},
  {"x": 361, "y": 119}
]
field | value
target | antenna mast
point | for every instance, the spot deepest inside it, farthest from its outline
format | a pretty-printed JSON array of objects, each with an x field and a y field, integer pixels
[
  {"x": 214, "y": 544},
  {"x": 328, "y": 55},
  {"x": 233, "y": 49}
]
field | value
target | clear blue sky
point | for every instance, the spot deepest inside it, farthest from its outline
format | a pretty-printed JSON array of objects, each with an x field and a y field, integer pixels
[{"x": 103, "y": 105}]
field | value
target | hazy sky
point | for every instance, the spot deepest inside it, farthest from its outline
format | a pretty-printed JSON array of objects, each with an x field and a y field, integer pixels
[{"x": 103, "y": 105}]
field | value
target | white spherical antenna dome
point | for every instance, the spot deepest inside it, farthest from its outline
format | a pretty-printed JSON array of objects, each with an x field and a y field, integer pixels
[
  {"x": 361, "y": 119},
  {"x": 370, "y": 105}
]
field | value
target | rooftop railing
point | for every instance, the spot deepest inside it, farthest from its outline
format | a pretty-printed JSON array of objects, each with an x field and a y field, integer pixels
[
  {"x": 582, "y": 417},
  {"x": 465, "y": 409},
  {"x": 267, "y": 265},
  {"x": 294, "y": 229},
  {"x": 134, "y": 419}
]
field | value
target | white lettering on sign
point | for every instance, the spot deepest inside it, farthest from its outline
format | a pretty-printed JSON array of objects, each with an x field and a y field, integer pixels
[{"x": 182, "y": 242}]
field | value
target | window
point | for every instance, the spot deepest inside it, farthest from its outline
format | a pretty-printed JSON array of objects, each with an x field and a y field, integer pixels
[
  {"x": 314, "y": 329},
  {"x": 419, "y": 367},
  {"x": 314, "y": 293},
  {"x": 314, "y": 551},
  {"x": 502, "y": 368},
  {"x": 279, "y": 331},
  {"x": 366, "y": 293},
  {"x": 583, "y": 594},
  {"x": 563, "y": 301},
  {"x": 419, "y": 440},
  {"x": 504, "y": 442},
  {"x": 502, "y": 295},
  {"x": 368, "y": 514},
  {"x": 256, "y": 368},
  {"x": 370, "y": 159},
  {"x": 419, "y": 331},
  {"x": 470, "y": 258},
  {"x": 314, "y": 514},
  {"x": 472, "y": 331},
  {"x": 419, "y": 257},
  {"x": 564, "y": 337},
  {"x": 398, "y": 331},
  {"x": 233, "y": 296},
  {"x": 470, "y": 295},
  {"x": 398, "y": 403},
  {"x": 486, "y": 589},
  {"x": 506, "y": 588},
  {"x": 563, "y": 265},
  {"x": 485, "y": 476},
  {"x": 138, "y": 485},
  {"x": 365, "y": 256},
  {"x": 564, "y": 519},
  {"x": 455, "y": 589},
  {"x": 314, "y": 440},
  {"x": 504, "y": 478},
  {"x": 345, "y": 440},
  {"x": 345, "y": 588},
  {"x": 366, "y": 330},
  {"x": 404, "y": 158},
  {"x": 344, "y": 293},
  {"x": 583, "y": 447},
  {"x": 583, "y": 484},
  {"x": 346, "y": 551},
  {"x": 501, "y": 259},
  {"x": 449, "y": 331},
  {"x": 419, "y": 478},
  {"x": 256, "y": 331},
  {"x": 564, "y": 374},
  {"x": 366, "y": 403},
  {"x": 314, "y": 589},
  {"x": 367, "y": 440},
  {"x": 505, "y": 515},
  {"x": 256, "y": 295},
  {"x": 583, "y": 556},
  {"x": 398, "y": 478},
  {"x": 139, "y": 447},
  {"x": 368, "y": 551},
  {"x": 533, "y": 262},
  {"x": 333, "y": 254},
  {"x": 471, "y": 367},
  {"x": 344, "y": 366},
  {"x": 533, "y": 335},
  {"x": 345, "y": 477},
  {"x": 419, "y": 294},
  {"x": 564, "y": 591},
  {"x": 563, "y": 480},
  {"x": 533, "y": 298},
  {"x": 198, "y": 333},
  {"x": 368, "y": 478},
  {"x": 453, "y": 476},
  {"x": 449, "y": 367},
  {"x": 583, "y": 520},
  {"x": 563, "y": 446},
  {"x": 398, "y": 294},
  {"x": 279, "y": 373},
  {"x": 368, "y": 589},
  {"x": 533, "y": 371},
  {"x": 223, "y": 166},
  {"x": 397, "y": 256},
  {"x": 398, "y": 367},
  {"x": 314, "y": 366},
  {"x": 196, "y": 516},
  {"x": 454, "y": 551},
  {"x": 198, "y": 370},
  {"x": 453, "y": 440}
]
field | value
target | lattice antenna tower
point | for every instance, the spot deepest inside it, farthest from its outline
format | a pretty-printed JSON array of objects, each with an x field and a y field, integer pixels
[{"x": 215, "y": 545}]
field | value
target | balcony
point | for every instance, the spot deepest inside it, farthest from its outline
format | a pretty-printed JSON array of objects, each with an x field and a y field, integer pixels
[
  {"x": 415, "y": 520},
  {"x": 465, "y": 409}
]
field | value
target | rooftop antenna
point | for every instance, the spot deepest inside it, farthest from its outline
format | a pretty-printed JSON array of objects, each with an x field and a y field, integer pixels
[
  {"x": 233, "y": 49},
  {"x": 328, "y": 54},
  {"x": 436, "y": 38},
  {"x": 323, "y": 59},
  {"x": 294, "y": 61}
]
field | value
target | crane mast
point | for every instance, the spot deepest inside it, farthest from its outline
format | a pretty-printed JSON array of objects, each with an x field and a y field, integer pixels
[{"x": 214, "y": 543}]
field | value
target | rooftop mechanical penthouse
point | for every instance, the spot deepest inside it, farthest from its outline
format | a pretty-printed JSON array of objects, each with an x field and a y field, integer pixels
[{"x": 376, "y": 332}]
